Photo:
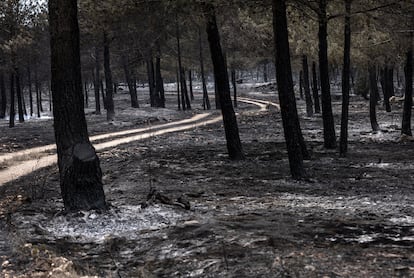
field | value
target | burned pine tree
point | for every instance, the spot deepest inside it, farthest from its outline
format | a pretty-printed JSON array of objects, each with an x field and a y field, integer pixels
[
  {"x": 286, "y": 93},
  {"x": 80, "y": 172},
  {"x": 234, "y": 146}
]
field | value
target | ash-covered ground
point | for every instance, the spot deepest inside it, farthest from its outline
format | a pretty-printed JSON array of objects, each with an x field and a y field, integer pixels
[{"x": 353, "y": 218}]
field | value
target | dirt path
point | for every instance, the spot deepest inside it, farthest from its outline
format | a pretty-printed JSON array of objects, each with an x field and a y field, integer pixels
[{"x": 23, "y": 162}]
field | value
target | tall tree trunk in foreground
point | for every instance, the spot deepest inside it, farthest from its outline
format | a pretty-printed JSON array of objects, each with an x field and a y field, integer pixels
[
  {"x": 80, "y": 172},
  {"x": 343, "y": 141},
  {"x": 109, "y": 98},
  {"x": 315, "y": 91},
  {"x": 373, "y": 98},
  {"x": 286, "y": 93},
  {"x": 206, "y": 100},
  {"x": 327, "y": 115},
  {"x": 306, "y": 86},
  {"x": 3, "y": 97},
  {"x": 12, "y": 105},
  {"x": 234, "y": 146},
  {"x": 408, "y": 101}
]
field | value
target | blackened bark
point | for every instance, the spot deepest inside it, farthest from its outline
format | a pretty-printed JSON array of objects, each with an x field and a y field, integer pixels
[
  {"x": 390, "y": 82},
  {"x": 343, "y": 141},
  {"x": 50, "y": 99},
  {"x": 286, "y": 92},
  {"x": 185, "y": 100},
  {"x": 3, "y": 97},
  {"x": 386, "y": 88},
  {"x": 234, "y": 146},
  {"x": 29, "y": 84},
  {"x": 373, "y": 98},
  {"x": 315, "y": 91},
  {"x": 216, "y": 94},
  {"x": 190, "y": 84},
  {"x": 206, "y": 100},
  {"x": 234, "y": 83},
  {"x": 306, "y": 86},
  {"x": 159, "y": 82},
  {"x": 97, "y": 82},
  {"x": 80, "y": 172},
  {"x": 38, "y": 93},
  {"x": 408, "y": 101},
  {"x": 184, "y": 91},
  {"x": 12, "y": 105},
  {"x": 109, "y": 98},
  {"x": 178, "y": 90},
  {"x": 265, "y": 77},
  {"x": 86, "y": 95},
  {"x": 327, "y": 115},
  {"x": 19, "y": 96},
  {"x": 128, "y": 79},
  {"x": 151, "y": 81},
  {"x": 301, "y": 85}
]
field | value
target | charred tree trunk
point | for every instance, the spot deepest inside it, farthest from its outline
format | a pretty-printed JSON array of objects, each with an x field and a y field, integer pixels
[
  {"x": 265, "y": 77},
  {"x": 97, "y": 83},
  {"x": 109, "y": 98},
  {"x": 151, "y": 81},
  {"x": 327, "y": 115},
  {"x": 385, "y": 89},
  {"x": 29, "y": 81},
  {"x": 19, "y": 96},
  {"x": 234, "y": 146},
  {"x": 306, "y": 86},
  {"x": 159, "y": 82},
  {"x": 373, "y": 98},
  {"x": 128, "y": 79},
  {"x": 184, "y": 91},
  {"x": 178, "y": 90},
  {"x": 3, "y": 97},
  {"x": 206, "y": 100},
  {"x": 185, "y": 100},
  {"x": 315, "y": 91},
  {"x": 234, "y": 83},
  {"x": 190, "y": 84},
  {"x": 287, "y": 100},
  {"x": 408, "y": 101},
  {"x": 301, "y": 85},
  {"x": 86, "y": 94},
  {"x": 12, "y": 105},
  {"x": 80, "y": 172},
  {"x": 38, "y": 93},
  {"x": 343, "y": 141}
]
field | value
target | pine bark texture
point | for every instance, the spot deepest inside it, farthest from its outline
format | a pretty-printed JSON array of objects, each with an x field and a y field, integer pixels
[
  {"x": 109, "y": 98},
  {"x": 306, "y": 86},
  {"x": 343, "y": 141},
  {"x": 315, "y": 91},
  {"x": 327, "y": 115},
  {"x": 80, "y": 172},
  {"x": 373, "y": 98},
  {"x": 234, "y": 146},
  {"x": 286, "y": 92},
  {"x": 3, "y": 96},
  {"x": 408, "y": 101}
]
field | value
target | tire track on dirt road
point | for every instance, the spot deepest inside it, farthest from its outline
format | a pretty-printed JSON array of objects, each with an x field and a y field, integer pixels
[{"x": 33, "y": 159}]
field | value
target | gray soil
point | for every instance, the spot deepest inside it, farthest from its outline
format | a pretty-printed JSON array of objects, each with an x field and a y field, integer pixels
[{"x": 354, "y": 217}]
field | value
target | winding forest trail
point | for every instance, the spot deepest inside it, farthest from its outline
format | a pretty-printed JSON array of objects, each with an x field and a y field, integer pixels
[{"x": 18, "y": 164}]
